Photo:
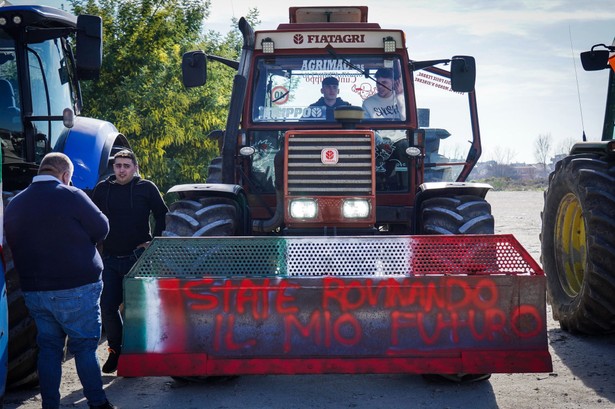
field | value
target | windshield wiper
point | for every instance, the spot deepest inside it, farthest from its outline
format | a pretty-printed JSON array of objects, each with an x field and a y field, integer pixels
[{"x": 365, "y": 73}]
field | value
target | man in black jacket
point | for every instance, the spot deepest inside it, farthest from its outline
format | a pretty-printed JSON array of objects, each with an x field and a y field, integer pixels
[
  {"x": 329, "y": 100},
  {"x": 127, "y": 200},
  {"x": 52, "y": 229}
]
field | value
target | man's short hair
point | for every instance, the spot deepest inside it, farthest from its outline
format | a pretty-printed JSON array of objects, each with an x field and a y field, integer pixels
[
  {"x": 126, "y": 153},
  {"x": 55, "y": 163},
  {"x": 330, "y": 81},
  {"x": 384, "y": 73}
]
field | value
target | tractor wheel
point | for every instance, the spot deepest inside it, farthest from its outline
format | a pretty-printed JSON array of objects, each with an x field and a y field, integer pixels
[
  {"x": 578, "y": 244},
  {"x": 22, "y": 348},
  {"x": 464, "y": 214},
  {"x": 456, "y": 215},
  {"x": 212, "y": 216},
  {"x": 23, "y": 351}
]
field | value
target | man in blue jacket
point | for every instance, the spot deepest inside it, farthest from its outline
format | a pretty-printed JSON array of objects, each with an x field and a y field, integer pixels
[
  {"x": 128, "y": 201},
  {"x": 52, "y": 230}
]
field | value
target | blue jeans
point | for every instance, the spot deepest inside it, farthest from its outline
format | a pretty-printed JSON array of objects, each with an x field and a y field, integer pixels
[
  {"x": 112, "y": 296},
  {"x": 75, "y": 313}
]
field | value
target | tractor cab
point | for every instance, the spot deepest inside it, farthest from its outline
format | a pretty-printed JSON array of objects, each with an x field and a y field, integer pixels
[{"x": 316, "y": 86}]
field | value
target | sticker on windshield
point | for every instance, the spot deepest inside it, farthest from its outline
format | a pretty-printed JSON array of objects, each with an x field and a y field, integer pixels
[
  {"x": 279, "y": 95},
  {"x": 328, "y": 65},
  {"x": 291, "y": 113}
]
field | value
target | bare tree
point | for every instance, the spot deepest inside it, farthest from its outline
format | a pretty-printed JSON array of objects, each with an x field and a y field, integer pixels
[
  {"x": 542, "y": 151},
  {"x": 503, "y": 158}
]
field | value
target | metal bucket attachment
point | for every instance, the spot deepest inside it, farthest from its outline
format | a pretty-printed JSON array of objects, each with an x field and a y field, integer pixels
[{"x": 289, "y": 305}]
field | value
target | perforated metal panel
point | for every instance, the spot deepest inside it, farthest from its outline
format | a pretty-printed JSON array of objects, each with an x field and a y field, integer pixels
[
  {"x": 335, "y": 256},
  {"x": 349, "y": 256},
  {"x": 472, "y": 255}
]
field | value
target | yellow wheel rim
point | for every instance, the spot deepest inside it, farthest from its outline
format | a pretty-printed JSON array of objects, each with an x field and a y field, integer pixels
[{"x": 570, "y": 244}]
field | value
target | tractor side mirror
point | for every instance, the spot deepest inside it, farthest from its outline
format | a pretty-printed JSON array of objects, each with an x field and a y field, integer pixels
[
  {"x": 463, "y": 73},
  {"x": 194, "y": 69},
  {"x": 595, "y": 60},
  {"x": 89, "y": 46}
]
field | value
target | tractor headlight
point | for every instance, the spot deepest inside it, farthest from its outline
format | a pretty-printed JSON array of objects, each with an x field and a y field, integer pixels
[
  {"x": 356, "y": 208},
  {"x": 268, "y": 46},
  {"x": 303, "y": 208},
  {"x": 389, "y": 45}
]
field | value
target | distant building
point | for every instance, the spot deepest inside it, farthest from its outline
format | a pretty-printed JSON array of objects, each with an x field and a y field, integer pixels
[{"x": 528, "y": 172}]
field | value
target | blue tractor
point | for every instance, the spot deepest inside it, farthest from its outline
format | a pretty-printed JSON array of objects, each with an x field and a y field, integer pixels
[{"x": 44, "y": 53}]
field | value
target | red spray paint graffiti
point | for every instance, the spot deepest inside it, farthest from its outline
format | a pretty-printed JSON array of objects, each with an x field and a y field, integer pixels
[{"x": 392, "y": 315}]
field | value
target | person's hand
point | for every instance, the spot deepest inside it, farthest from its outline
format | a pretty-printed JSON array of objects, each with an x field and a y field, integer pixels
[
  {"x": 144, "y": 245},
  {"x": 398, "y": 86}
]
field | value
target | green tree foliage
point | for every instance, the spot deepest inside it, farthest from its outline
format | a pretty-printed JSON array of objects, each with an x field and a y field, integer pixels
[{"x": 140, "y": 88}]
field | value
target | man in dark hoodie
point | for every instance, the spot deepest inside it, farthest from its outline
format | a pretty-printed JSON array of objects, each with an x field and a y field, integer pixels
[
  {"x": 329, "y": 100},
  {"x": 127, "y": 200}
]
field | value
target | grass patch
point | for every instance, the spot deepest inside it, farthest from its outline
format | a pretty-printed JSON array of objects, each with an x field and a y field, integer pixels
[{"x": 500, "y": 184}]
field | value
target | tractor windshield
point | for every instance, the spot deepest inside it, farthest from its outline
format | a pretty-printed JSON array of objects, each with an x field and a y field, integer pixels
[
  {"x": 51, "y": 88},
  {"x": 301, "y": 89}
]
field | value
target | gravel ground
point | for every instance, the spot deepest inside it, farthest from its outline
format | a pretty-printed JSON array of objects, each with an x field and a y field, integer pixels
[{"x": 582, "y": 376}]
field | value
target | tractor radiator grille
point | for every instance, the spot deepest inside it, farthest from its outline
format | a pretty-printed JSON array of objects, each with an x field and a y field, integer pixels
[{"x": 335, "y": 165}]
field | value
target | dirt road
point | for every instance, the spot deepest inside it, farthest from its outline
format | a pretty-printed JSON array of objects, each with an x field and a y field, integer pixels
[{"x": 582, "y": 376}]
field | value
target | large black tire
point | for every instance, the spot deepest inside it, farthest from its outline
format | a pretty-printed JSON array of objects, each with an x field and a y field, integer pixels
[
  {"x": 22, "y": 348},
  {"x": 578, "y": 243},
  {"x": 23, "y": 351},
  {"x": 212, "y": 216},
  {"x": 464, "y": 214}
]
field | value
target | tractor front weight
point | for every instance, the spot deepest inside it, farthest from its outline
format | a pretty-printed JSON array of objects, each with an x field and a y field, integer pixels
[{"x": 267, "y": 305}]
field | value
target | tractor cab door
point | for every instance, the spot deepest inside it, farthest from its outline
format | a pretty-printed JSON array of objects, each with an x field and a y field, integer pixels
[
  {"x": 449, "y": 121},
  {"x": 17, "y": 173},
  {"x": 52, "y": 88},
  {"x": 37, "y": 82}
]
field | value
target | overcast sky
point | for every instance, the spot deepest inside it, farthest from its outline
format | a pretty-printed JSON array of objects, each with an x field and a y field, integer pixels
[{"x": 526, "y": 55}]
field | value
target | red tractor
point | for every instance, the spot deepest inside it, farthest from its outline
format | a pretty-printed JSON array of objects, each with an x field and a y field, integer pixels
[{"x": 336, "y": 238}]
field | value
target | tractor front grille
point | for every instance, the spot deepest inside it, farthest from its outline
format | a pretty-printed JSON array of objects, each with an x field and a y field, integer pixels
[{"x": 309, "y": 174}]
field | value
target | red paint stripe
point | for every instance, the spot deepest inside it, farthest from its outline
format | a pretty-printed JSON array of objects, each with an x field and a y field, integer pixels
[{"x": 136, "y": 365}]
